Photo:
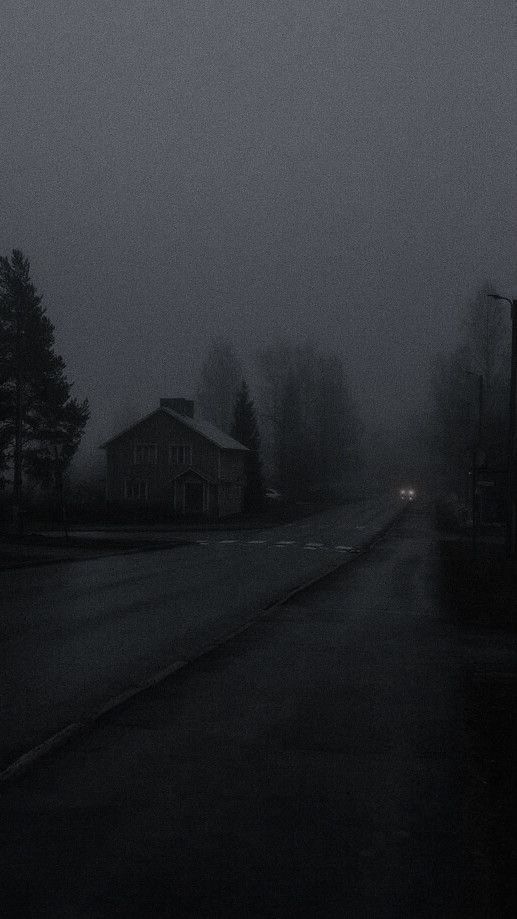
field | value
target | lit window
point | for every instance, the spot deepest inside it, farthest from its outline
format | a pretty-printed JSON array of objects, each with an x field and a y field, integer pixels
[
  {"x": 180, "y": 454},
  {"x": 145, "y": 453}
]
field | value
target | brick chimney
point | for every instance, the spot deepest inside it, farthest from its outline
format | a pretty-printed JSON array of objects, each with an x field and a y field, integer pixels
[{"x": 181, "y": 406}]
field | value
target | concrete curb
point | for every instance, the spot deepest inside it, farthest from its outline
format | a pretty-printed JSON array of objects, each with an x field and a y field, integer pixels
[{"x": 31, "y": 757}]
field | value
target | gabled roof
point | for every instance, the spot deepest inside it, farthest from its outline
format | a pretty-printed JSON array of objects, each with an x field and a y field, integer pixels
[
  {"x": 207, "y": 430},
  {"x": 199, "y": 425},
  {"x": 192, "y": 471}
]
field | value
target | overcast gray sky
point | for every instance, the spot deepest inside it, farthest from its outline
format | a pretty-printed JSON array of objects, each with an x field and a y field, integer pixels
[{"x": 342, "y": 170}]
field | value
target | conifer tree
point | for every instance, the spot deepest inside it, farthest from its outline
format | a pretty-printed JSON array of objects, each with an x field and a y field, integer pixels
[
  {"x": 245, "y": 430},
  {"x": 219, "y": 379},
  {"x": 40, "y": 423}
]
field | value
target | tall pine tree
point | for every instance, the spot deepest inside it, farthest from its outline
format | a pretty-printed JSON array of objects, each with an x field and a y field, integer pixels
[
  {"x": 245, "y": 430},
  {"x": 219, "y": 379},
  {"x": 40, "y": 423}
]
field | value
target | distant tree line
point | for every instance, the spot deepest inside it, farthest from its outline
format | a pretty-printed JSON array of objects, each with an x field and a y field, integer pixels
[
  {"x": 41, "y": 424},
  {"x": 313, "y": 423},
  {"x": 309, "y": 425},
  {"x": 245, "y": 430},
  {"x": 472, "y": 378}
]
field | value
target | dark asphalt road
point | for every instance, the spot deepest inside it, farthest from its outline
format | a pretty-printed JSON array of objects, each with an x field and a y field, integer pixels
[
  {"x": 72, "y": 636},
  {"x": 323, "y": 764}
]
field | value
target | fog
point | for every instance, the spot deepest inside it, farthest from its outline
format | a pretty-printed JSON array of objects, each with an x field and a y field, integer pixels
[{"x": 337, "y": 171}]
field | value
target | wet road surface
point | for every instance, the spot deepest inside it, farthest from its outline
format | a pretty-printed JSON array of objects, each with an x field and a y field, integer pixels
[
  {"x": 326, "y": 763},
  {"x": 73, "y": 636}
]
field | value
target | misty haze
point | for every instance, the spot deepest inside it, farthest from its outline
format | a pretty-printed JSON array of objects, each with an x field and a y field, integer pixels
[{"x": 258, "y": 459}]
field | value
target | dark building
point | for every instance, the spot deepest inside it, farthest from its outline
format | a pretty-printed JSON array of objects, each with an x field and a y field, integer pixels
[{"x": 176, "y": 461}]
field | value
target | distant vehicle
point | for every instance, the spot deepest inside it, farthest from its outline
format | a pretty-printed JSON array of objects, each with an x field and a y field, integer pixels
[
  {"x": 408, "y": 494},
  {"x": 273, "y": 496}
]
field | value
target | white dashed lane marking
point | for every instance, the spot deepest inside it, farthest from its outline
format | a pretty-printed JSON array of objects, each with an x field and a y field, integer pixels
[{"x": 283, "y": 543}]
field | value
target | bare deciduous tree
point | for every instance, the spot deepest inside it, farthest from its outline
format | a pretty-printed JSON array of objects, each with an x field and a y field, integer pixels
[
  {"x": 311, "y": 418},
  {"x": 454, "y": 417}
]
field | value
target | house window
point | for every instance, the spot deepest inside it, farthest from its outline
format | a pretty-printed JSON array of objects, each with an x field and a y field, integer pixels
[
  {"x": 136, "y": 489},
  {"x": 145, "y": 453},
  {"x": 180, "y": 454}
]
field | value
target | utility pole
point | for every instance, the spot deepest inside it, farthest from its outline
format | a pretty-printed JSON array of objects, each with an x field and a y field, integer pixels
[
  {"x": 480, "y": 407},
  {"x": 17, "y": 458},
  {"x": 476, "y": 461},
  {"x": 511, "y": 498}
]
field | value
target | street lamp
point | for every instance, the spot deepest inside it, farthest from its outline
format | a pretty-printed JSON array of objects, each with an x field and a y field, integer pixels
[{"x": 511, "y": 527}]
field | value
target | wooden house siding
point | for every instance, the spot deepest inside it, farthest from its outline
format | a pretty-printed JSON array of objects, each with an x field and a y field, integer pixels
[{"x": 128, "y": 467}]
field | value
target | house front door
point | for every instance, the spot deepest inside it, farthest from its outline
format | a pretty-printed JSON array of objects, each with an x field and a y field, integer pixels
[{"x": 194, "y": 497}]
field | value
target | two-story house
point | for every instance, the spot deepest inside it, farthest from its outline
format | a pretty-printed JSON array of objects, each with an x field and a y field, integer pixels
[{"x": 176, "y": 461}]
